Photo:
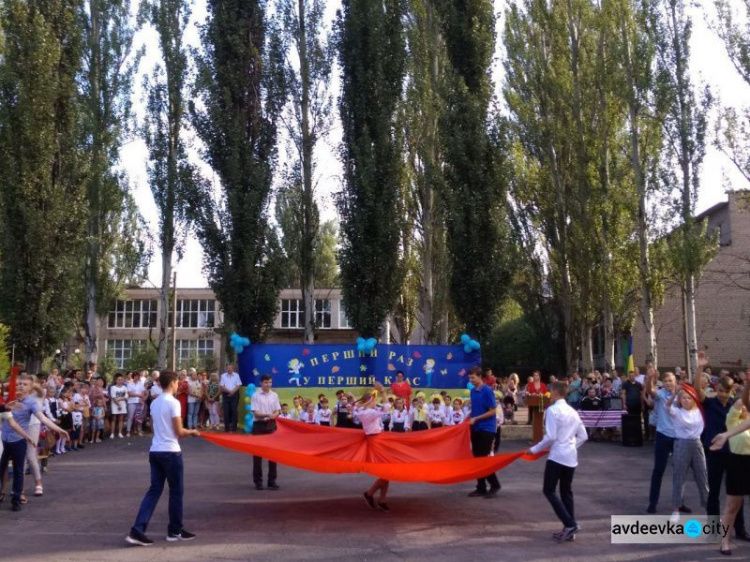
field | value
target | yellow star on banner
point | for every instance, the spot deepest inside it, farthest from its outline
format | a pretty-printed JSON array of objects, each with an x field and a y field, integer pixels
[{"x": 363, "y": 368}]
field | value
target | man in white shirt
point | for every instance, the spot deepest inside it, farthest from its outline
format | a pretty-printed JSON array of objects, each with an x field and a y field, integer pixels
[
  {"x": 564, "y": 433},
  {"x": 230, "y": 385},
  {"x": 165, "y": 458},
  {"x": 266, "y": 409}
]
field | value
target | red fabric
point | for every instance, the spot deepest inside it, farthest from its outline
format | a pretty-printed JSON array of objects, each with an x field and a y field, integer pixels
[
  {"x": 531, "y": 388},
  {"x": 402, "y": 390},
  {"x": 14, "y": 371},
  {"x": 439, "y": 456}
]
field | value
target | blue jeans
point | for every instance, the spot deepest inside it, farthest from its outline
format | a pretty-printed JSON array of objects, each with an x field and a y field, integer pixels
[
  {"x": 164, "y": 466},
  {"x": 192, "y": 416},
  {"x": 14, "y": 451},
  {"x": 663, "y": 447}
]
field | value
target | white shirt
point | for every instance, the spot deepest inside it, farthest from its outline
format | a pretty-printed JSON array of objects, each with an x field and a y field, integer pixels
[
  {"x": 156, "y": 391},
  {"x": 194, "y": 386},
  {"x": 230, "y": 382},
  {"x": 399, "y": 416},
  {"x": 456, "y": 417},
  {"x": 323, "y": 416},
  {"x": 372, "y": 419},
  {"x": 136, "y": 387},
  {"x": 564, "y": 433},
  {"x": 688, "y": 424},
  {"x": 265, "y": 403},
  {"x": 163, "y": 410}
]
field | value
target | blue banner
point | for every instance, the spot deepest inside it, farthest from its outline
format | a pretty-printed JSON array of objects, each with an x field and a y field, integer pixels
[{"x": 329, "y": 366}]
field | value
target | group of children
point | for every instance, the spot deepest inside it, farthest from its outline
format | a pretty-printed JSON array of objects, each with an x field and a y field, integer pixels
[{"x": 399, "y": 416}]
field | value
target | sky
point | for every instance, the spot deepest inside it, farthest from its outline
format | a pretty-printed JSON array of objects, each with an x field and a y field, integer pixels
[{"x": 709, "y": 64}]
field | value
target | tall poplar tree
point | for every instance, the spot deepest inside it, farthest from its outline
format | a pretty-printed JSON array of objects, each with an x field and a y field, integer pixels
[
  {"x": 478, "y": 236},
  {"x": 241, "y": 86},
  {"x": 43, "y": 176},
  {"x": 371, "y": 50},
  {"x": 170, "y": 174}
]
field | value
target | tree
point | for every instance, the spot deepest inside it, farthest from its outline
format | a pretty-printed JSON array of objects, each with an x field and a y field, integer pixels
[
  {"x": 684, "y": 130},
  {"x": 370, "y": 40},
  {"x": 474, "y": 165},
  {"x": 170, "y": 174},
  {"x": 116, "y": 249},
  {"x": 309, "y": 118},
  {"x": 240, "y": 84},
  {"x": 733, "y": 125},
  {"x": 45, "y": 168}
]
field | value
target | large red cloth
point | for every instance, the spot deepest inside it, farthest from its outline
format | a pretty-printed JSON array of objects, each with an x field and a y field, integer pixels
[{"x": 438, "y": 456}]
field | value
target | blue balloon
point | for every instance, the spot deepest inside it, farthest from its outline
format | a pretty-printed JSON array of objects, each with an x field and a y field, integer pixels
[
  {"x": 245, "y": 341},
  {"x": 470, "y": 386},
  {"x": 249, "y": 408},
  {"x": 250, "y": 389},
  {"x": 361, "y": 347},
  {"x": 467, "y": 348},
  {"x": 248, "y": 428},
  {"x": 372, "y": 342},
  {"x": 474, "y": 345},
  {"x": 360, "y": 340},
  {"x": 465, "y": 339}
]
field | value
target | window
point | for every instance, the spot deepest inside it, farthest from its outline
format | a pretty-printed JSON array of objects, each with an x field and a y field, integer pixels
[
  {"x": 195, "y": 313},
  {"x": 292, "y": 313},
  {"x": 133, "y": 314},
  {"x": 343, "y": 318},
  {"x": 189, "y": 350},
  {"x": 322, "y": 313},
  {"x": 122, "y": 350}
]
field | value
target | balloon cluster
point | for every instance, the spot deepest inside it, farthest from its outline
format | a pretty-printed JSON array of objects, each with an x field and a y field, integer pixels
[
  {"x": 366, "y": 345},
  {"x": 469, "y": 344},
  {"x": 238, "y": 343},
  {"x": 249, "y": 391}
]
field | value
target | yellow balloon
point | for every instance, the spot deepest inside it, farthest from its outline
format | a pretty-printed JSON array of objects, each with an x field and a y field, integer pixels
[{"x": 248, "y": 400}]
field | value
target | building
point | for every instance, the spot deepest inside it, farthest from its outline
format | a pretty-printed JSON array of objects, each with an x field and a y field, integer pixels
[
  {"x": 722, "y": 298},
  {"x": 133, "y": 322}
]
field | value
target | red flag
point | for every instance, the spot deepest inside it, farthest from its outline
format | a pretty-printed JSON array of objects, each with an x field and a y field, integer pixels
[{"x": 14, "y": 370}]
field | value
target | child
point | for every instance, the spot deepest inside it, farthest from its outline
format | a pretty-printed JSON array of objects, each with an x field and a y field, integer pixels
[
  {"x": 446, "y": 407},
  {"x": 323, "y": 415},
  {"x": 466, "y": 408},
  {"x": 97, "y": 431},
  {"x": 508, "y": 410},
  {"x": 354, "y": 413},
  {"x": 688, "y": 449},
  {"x": 118, "y": 394},
  {"x": 77, "y": 413},
  {"x": 457, "y": 415},
  {"x": 341, "y": 410},
  {"x": 385, "y": 414},
  {"x": 420, "y": 421},
  {"x": 285, "y": 415},
  {"x": 372, "y": 423},
  {"x": 399, "y": 417},
  {"x": 308, "y": 416},
  {"x": 321, "y": 399},
  {"x": 296, "y": 408},
  {"x": 500, "y": 420},
  {"x": 66, "y": 420},
  {"x": 436, "y": 413}
]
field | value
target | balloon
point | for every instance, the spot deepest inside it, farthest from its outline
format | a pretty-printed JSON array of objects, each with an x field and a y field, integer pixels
[
  {"x": 465, "y": 339},
  {"x": 247, "y": 398},
  {"x": 467, "y": 348},
  {"x": 245, "y": 341},
  {"x": 248, "y": 428},
  {"x": 467, "y": 392},
  {"x": 474, "y": 345},
  {"x": 470, "y": 386},
  {"x": 361, "y": 347},
  {"x": 249, "y": 407},
  {"x": 360, "y": 341},
  {"x": 372, "y": 342}
]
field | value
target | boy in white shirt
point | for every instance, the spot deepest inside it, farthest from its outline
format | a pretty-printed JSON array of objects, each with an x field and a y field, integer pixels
[
  {"x": 324, "y": 414},
  {"x": 564, "y": 433},
  {"x": 165, "y": 458}
]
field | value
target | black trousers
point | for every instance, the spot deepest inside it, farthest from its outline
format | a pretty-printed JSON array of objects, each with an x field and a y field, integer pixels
[
  {"x": 481, "y": 445},
  {"x": 263, "y": 428},
  {"x": 555, "y": 473},
  {"x": 716, "y": 463},
  {"x": 230, "y": 405},
  {"x": 14, "y": 451}
]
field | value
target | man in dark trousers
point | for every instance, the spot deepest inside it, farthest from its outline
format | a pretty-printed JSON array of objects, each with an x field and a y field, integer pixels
[
  {"x": 483, "y": 425},
  {"x": 266, "y": 409}
]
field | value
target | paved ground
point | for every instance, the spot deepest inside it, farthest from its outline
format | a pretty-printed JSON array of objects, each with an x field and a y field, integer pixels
[{"x": 91, "y": 499}]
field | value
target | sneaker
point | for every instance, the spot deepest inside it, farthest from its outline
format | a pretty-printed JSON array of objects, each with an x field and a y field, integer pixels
[
  {"x": 568, "y": 532},
  {"x": 675, "y": 517},
  {"x": 138, "y": 539},
  {"x": 685, "y": 509},
  {"x": 120, "y": 436},
  {"x": 111, "y": 435},
  {"x": 478, "y": 494},
  {"x": 126, "y": 435},
  {"x": 259, "y": 487},
  {"x": 273, "y": 486},
  {"x": 651, "y": 509},
  {"x": 181, "y": 536},
  {"x": 384, "y": 506},
  {"x": 558, "y": 534},
  {"x": 370, "y": 501},
  {"x": 16, "y": 507},
  {"x": 492, "y": 493}
]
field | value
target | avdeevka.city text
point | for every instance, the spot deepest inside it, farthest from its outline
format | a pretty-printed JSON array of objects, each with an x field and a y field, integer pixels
[{"x": 667, "y": 528}]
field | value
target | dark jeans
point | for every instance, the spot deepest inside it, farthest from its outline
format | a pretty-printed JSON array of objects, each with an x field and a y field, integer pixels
[
  {"x": 164, "y": 466},
  {"x": 263, "y": 428},
  {"x": 230, "y": 405},
  {"x": 555, "y": 472},
  {"x": 716, "y": 463},
  {"x": 663, "y": 447},
  {"x": 481, "y": 445},
  {"x": 14, "y": 451}
]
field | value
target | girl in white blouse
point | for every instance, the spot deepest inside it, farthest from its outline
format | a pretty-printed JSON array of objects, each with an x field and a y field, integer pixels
[
  {"x": 688, "y": 449},
  {"x": 399, "y": 417}
]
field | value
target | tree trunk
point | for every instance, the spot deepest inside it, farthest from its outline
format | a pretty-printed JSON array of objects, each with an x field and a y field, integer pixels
[
  {"x": 609, "y": 337},
  {"x": 690, "y": 328},
  {"x": 587, "y": 349},
  {"x": 164, "y": 306},
  {"x": 307, "y": 257}
]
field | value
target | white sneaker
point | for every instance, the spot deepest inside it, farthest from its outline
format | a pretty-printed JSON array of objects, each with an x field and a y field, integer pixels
[
  {"x": 675, "y": 517},
  {"x": 111, "y": 435},
  {"x": 120, "y": 436}
]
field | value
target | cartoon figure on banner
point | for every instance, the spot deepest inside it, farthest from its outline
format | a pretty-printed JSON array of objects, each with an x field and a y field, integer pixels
[
  {"x": 294, "y": 368},
  {"x": 429, "y": 369}
]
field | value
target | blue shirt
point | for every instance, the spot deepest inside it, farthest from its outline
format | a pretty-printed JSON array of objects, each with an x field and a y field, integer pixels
[
  {"x": 716, "y": 421},
  {"x": 574, "y": 394},
  {"x": 664, "y": 424},
  {"x": 482, "y": 400},
  {"x": 22, "y": 417}
]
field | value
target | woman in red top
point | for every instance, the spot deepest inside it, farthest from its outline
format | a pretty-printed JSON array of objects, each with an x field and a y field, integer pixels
[
  {"x": 535, "y": 387},
  {"x": 402, "y": 389},
  {"x": 182, "y": 394}
]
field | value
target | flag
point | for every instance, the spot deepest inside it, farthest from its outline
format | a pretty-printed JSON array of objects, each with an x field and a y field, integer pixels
[
  {"x": 14, "y": 370},
  {"x": 631, "y": 362}
]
